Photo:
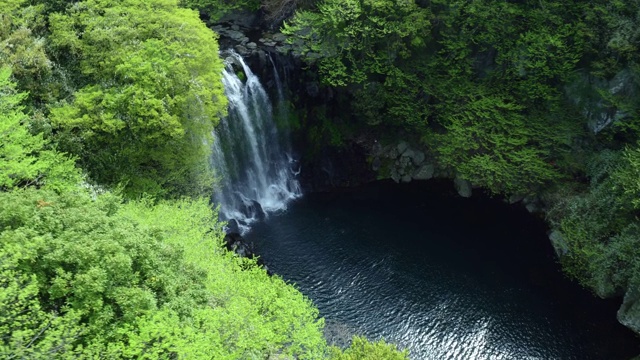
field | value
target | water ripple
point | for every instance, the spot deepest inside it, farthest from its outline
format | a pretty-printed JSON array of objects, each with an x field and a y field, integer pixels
[{"x": 443, "y": 299}]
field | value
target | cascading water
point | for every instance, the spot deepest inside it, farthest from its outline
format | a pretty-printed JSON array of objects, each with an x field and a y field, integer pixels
[{"x": 250, "y": 157}]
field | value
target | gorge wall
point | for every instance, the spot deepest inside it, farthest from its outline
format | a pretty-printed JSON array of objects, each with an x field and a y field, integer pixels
[{"x": 341, "y": 150}]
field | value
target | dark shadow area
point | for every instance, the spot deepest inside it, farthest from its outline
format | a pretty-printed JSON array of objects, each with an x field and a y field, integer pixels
[{"x": 439, "y": 274}]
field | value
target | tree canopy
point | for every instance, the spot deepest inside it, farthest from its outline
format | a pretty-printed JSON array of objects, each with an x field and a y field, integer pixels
[
  {"x": 483, "y": 84},
  {"x": 25, "y": 159},
  {"x": 148, "y": 94},
  {"x": 96, "y": 277}
]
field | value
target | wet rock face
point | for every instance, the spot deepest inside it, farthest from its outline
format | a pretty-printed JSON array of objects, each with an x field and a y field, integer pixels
[
  {"x": 247, "y": 41},
  {"x": 263, "y": 50},
  {"x": 233, "y": 241},
  {"x": 337, "y": 168},
  {"x": 241, "y": 19},
  {"x": 236, "y": 243},
  {"x": 248, "y": 34}
]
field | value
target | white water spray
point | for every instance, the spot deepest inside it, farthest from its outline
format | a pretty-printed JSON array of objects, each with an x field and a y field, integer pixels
[{"x": 250, "y": 157}]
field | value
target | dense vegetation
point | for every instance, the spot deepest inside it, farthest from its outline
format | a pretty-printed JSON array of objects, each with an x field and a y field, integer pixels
[
  {"x": 519, "y": 97},
  {"x": 108, "y": 248},
  {"x": 85, "y": 275}
]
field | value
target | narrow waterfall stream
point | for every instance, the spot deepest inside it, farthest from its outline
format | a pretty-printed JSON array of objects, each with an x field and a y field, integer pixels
[{"x": 251, "y": 157}]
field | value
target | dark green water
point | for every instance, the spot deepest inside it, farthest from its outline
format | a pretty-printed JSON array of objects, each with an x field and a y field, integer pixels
[{"x": 445, "y": 277}]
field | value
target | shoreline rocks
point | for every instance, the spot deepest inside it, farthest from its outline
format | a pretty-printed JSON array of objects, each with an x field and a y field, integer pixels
[{"x": 233, "y": 241}]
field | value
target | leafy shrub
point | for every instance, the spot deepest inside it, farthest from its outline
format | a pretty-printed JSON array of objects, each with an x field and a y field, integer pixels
[
  {"x": 122, "y": 280},
  {"x": 149, "y": 94}
]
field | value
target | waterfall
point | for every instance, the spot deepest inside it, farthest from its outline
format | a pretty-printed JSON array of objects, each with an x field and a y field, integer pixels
[{"x": 251, "y": 158}]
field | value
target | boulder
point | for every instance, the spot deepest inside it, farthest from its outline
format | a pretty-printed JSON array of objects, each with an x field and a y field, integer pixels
[
  {"x": 376, "y": 164},
  {"x": 391, "y": 152},
  {"x": 532, "y": 207},
  {"x": 515, "y": 198},
  {"x": 338, "y": 333},
  {"x": 404, "y": 162},
  {"x": 402, "y": 147},
  {"x": 254, "y": 210},
  {"x": 559, "y": 244},
  {"x": 532, "y": 203},
  {"x": 233, "y": 227},
  {"x": 425, "y": 172},
  {"x": 233, "y": 34},
  {"x": 418, "y": 157},
  {"x": 251, "y": 45},
  {"x": 231, "y": 239},
  {"x": 463, "y": 187},
  {"x": 242, "y": 50},
  {"x": 629, "y": 312},
  {"x": 395, "y": 176},
  {"x": 279, "y": 37},
  {"x": 236, "y": 243},
  {"x": 407, "y": 155},
  {"x": 232, "y": 60}
]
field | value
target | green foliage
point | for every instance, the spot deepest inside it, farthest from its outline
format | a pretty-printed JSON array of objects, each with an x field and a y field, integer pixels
[
  {"x": 24, "y": 158},
  {"x": 361, "y": 39},
  {"x": 399, "y": 101},
  {"x": 496, "y": 79},
  {"x": 600, "y": 225},
  {"x": 627, "y": 177},
  {"x": 149, "y": 94},
  {"x": 22, "y": 46},
  {"x": 480, "y": 82},
  {"x": 362, "y": 349},
  {"x": 613, "y": 39},
  {"x": 28, "y": 331},
  {"x": 122, "y": 280},
  {"x": 487, "y": 141},
  {"x": 265, "y": 315}
]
